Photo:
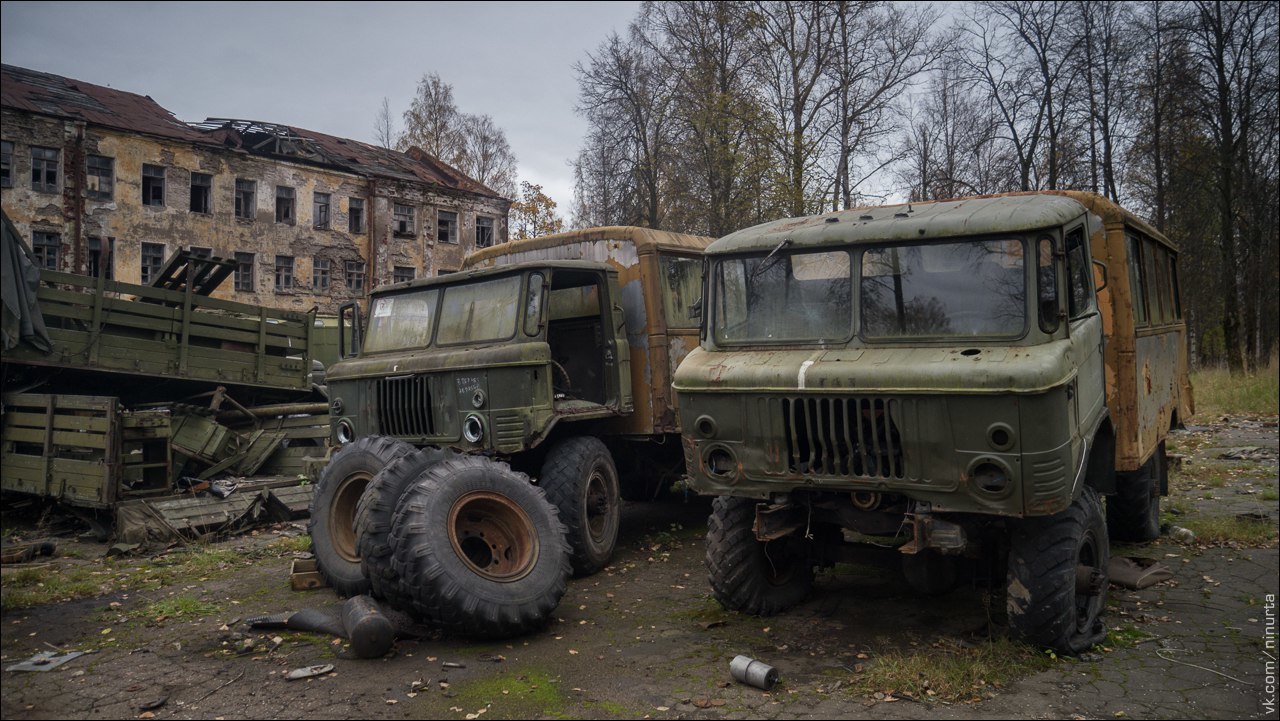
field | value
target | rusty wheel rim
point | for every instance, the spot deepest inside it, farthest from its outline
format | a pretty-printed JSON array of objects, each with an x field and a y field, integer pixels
[
  {"x": 342, "y": 515},
  {"x": 597, "y": 506},
  {"x": 493, "y": 536}
]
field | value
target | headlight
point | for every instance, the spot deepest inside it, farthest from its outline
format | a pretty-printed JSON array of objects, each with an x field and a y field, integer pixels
[
  {"x": 473, "y": 428},
  {"x": 346, "y": 432}
]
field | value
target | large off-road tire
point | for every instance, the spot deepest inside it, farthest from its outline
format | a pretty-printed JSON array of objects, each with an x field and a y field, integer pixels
[
  {"x": 374, "y": 515},
  {"x": 581, "y": 481},
  {"x": 1133, "y": 513},
  {"x": 749, "y": 575},
  {"x": 478, "y": 549},
  {"x": 1057, "y": 577},
  {"x": 333, "y": 509}
]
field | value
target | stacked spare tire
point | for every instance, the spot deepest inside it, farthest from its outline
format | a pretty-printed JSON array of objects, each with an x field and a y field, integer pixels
[{"x": 459, "y": 541}]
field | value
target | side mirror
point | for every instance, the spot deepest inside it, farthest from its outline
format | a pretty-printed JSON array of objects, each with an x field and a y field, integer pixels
[
  {"x": 695, "y": 310},
  {"x": 1100, "y": 275},
  {"x": 352, "y": 309}
]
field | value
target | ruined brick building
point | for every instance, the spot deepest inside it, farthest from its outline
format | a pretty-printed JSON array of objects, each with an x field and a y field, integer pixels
[{"x": 104, "y": 181}]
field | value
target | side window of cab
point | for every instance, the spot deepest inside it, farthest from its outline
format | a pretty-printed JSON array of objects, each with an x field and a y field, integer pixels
[{"x": 1079, "y": 288}]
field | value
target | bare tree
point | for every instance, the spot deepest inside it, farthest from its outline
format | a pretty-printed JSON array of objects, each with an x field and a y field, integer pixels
[
  {"x": 384, "y": 129},
  {"x": 432, "y": 122},
  {"x": 486, "y": 155}
]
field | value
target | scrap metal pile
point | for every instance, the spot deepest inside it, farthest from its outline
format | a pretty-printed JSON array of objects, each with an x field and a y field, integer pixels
[{"x": 126, "y": 402}]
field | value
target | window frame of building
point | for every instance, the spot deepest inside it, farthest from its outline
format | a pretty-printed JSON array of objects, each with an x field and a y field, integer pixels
[
  {"x": 244, "y": 280},
  {"x": 46, "y": 247},
  {"x": 102, "y": 169},
  {"x": 404, "y": 223},
  {"x": 94, "y": 261},
  {"x": 284, "y": 273},
  {"x": 44, "y": 169},
  {"x": 153, "y": 185},
  {"x": 246, "y": 199},
  {"x": 356, "y": 272},
  {"x": 321, "y": 275},
  {"x": 201, "y": 194},
  {"x": 148, "y": 270},
  {"x": 447, "y": 228},
  {"x": 355, "y": 215},
  {"x": 6, "y": 164},
  {"x": 286, "y": 208},
  {"x": 403, "y": 274},
  {"x": 489, "y": 223},
  {"x": 321, "y": 205}
]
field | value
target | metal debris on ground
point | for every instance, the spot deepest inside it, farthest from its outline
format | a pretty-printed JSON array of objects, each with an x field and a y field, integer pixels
[
  {"x": 309, "y": 671},
  {"x": 1137, "y": 573},
  {"x": 753, "y": 673},
  {"x": 44, "y": 661}
]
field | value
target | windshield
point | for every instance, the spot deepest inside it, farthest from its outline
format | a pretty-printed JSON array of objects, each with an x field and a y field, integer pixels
[
  {"x": 784, "y": 297},
  {"x": 974, "y": 288},
  {"x": 401, "y": 321}
]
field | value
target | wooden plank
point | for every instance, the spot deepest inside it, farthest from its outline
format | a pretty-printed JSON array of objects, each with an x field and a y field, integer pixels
[
  {"x": 61, "y": 421},
  {"x": 146, "y": 293}
]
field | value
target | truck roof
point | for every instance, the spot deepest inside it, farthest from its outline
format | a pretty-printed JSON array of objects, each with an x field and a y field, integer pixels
[
  {"x": 979, "y": 215},
  {"x": 644, "y": 239},
  {"x": 467, "y": 274}
]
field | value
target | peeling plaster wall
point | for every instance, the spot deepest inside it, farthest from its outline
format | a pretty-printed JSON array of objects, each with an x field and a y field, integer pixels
[{"x": 130, "y": 223}]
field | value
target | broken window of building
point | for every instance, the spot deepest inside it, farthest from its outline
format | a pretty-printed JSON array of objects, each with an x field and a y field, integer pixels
[
  {"x": 6, "y": 164},
  {"x": 320, "y": 274},
  {"x": 151, "y": 261},
  {"x": 484, "y": 231},
  {"x": 403, "y": 225},
  {"x": 246, "y": 198},
  {"x": 99, "y": 177},
  {"x": 44, "y": 169},
  {"x": 355, "y": 216},
  {"x": 320, "y": 210},
  {"x": 402, "y": 274},
  {"x": 284, "y": 204},
  {"x": 447, "y": 226},
  {"x": 100, "y": 262},
  {"x": 355, "y": 276},
  {"x": 201, "y": 190},
  {"x": 152, "y": 185},
  {"x": 45, "y": 247},
  {"x": 284, "y": 272},
  {"x": 244, "y": 272}
]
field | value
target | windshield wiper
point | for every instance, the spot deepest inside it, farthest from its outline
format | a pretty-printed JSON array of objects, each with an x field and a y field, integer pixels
[{"x": 765, "y": 264}]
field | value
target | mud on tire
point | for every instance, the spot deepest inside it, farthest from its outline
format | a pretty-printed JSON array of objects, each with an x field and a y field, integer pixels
[
  {"x": 1047, "y": 603},
  {"x": 580, "y": 480},
  {"x": 1133, "y": 513},
  {"x": 374, "y": 515},
  {"x": 478, "y": 549},
  {"x": 746, "y": 574},
  {"x": 333, "y": 509}
]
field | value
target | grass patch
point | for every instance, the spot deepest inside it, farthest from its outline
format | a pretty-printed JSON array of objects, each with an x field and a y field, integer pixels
[
  {"x": 178, "y": 607},
  {"x": 1220, "y": 475},
  {"x": 522, "y": 694},
  {"x": 1125, "y": 637},
  {"x": 27, "y": 587},
  {"x": 1270, "y": 495},
  {"x": 949, "y": 674},
  {"x": 1227, "y": 529},
  {"x": 1219, "y": 393}
]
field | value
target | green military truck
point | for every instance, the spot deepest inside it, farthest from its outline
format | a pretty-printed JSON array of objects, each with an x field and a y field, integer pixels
[
  {"x": 548, "y": 358},
  {"x": 961, "y": 379}
]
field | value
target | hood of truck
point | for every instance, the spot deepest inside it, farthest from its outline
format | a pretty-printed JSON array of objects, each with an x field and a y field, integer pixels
[
  {"x": 440, "y": 359},
  {"x": 959, "y": 369}
]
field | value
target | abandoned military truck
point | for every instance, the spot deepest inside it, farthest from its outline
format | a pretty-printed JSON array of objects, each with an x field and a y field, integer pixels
[
  {"x": 548, "y": 359},
  {"x": 963, "y": 379}
]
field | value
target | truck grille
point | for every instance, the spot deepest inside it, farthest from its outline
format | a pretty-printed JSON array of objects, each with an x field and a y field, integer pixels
[
  {"x": 844, "y": 437},
  {"x": 404, "y": 406}
]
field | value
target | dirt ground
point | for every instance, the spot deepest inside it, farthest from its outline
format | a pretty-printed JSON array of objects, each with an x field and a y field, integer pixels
[{"x": 644, "y": 638}]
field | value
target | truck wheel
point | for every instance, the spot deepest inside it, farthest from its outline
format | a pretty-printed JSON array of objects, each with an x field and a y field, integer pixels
[
  {"x": 373, "y": 519},
  {"x": 479, "y": 549},
  {"x": 1057, "y": 579},
  {"x": 581, "y": 481},
  {"x": 1133, "y": 513},
  {"x": 333, "y": 509},
  {"x": 749, "y": 575}
]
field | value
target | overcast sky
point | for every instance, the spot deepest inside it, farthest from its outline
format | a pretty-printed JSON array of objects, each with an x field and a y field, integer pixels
[{"x": 327, "y": 66}]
